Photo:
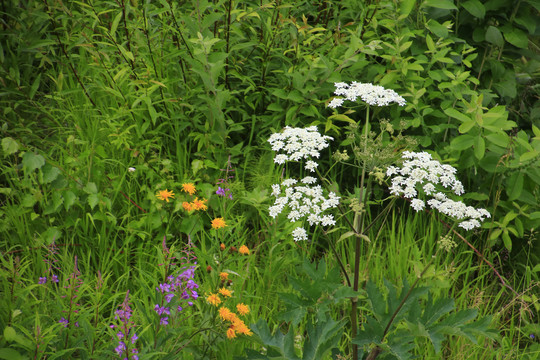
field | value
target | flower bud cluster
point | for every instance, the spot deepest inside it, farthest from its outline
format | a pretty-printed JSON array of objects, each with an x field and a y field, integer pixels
[
  {"x": 420, "y": 171},
  {"x": 371, "y": 94},
  {"x": 304, "y": 198}
]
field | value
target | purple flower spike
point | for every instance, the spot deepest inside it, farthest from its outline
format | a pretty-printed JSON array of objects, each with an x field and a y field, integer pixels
[{"x": 42, "y": 280}]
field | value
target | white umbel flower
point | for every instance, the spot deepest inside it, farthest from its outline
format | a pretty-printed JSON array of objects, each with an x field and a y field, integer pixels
[
  {"x": 420, "y": 171},
  {"x": 371, "y": 94}
]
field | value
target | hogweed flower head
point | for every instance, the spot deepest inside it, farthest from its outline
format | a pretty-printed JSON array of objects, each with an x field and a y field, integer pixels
[
  {"x": 295, "y": 144},
  {"x": 374, "y": 95},
  {"x": 420, "y": 173}
]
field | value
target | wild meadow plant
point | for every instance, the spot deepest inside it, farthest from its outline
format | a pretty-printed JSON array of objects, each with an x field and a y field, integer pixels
[{"x": 419, "y": 177}]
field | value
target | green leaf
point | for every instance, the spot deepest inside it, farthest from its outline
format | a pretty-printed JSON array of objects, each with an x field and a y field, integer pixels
[
  {"x": 280, "y": 343},
  {"x": 441, "y": 4},
  {"x": 69, "y": 199},
  {"x": 115, "y": 23},
  {"x": 90, "y": 188},
  {"x": 462, "y": 142},
  {"x": 93, "y": 200},
  {"x": 32, "y": 161},
  {"x": 322, "y": 338},
  {"x": 50, "y": 173},
  {"x": 507, "y": 240},
  {"x": 494, "y": 36},
  {"x": 479, "y": 147},
  {"x": 516, "y": 37},
  {"x": 529, "y": 155},
  {"x": 9, "y": 146},
  {"x": 437, "y": 29},
  {"x": 457, "y": 115},
  {"x": 10, "y": 354},
  {"x": 10, "y": 334},
  {"x": 514, "y": 185},
  {"x": 475, "y": 8}
]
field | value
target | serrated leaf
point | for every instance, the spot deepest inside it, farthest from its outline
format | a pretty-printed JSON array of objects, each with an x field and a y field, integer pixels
[
  {"x": 435, "y": 309},
  {"x": 93, "y": 200},
  {"x": 50, "y": 173},
  {"x": 282, "y": 344},
  {"x": 9, "y": 146},
  {"x": 90, "y": 188},
  {"x": 375, "y": 297},
  {"x": 32, "y": 161},
  {"x": 321, "y": 339}
]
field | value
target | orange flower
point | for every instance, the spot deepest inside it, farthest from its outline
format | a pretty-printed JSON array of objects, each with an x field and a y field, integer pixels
[
  {"x": 213, "y": 299},
  {"x": 225, "y": 292},
  {"x": 165, "y": 195},
  {"x": 189, "y": 188},
  {"x": 243, "y": 309},
  {"x": 231, "y": 333},
  {"x": 241, "y": 327},
  {"x": 218, "y": 223},
  {"x": 226, "y": 314},
  {"x": 243, "y": 250},
  {"x": 223, "y": 276},
  {"x": 187, "y": 206},
  {"x": 222, "y": 246},
  {"x": 199, "y": 204}
]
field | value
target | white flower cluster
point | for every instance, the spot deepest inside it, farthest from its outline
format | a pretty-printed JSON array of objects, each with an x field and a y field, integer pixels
[
  {"x": 296, "y": 144},
  {"x": 304, "y": 198},
  {"x": 371, "y": 94},
  {"x": 303, "y": 201},
  {"x": 421, "y": 170}
]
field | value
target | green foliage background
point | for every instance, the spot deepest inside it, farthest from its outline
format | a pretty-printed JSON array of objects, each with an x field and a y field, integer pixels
[{"x": 178, "y": 89}]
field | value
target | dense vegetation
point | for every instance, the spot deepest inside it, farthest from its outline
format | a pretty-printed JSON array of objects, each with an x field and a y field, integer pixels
[{"x": 137, "y": 180}]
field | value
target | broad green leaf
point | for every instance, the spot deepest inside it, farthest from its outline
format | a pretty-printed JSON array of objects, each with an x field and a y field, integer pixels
[
  {"x": 457, "y": 115},
  {"x": 50, "y": 173},
  {"x": 10, "y": 354},
  {"x": 342, "y": 117},
  {"x": 90, "y": 188},
  {"x": 494, "y": 36},
  {"x": 466, "y": 126},
  {"x": 500, "y": 139},
  {"x": 436, "y": 28},
  {"x": 462, "y": 142},
  {"x": 516, "y": 37},
  {"x": 514, "y": 185},
  {"x": 507, "y": 240},
  {"x": 529, "y": 155},
  {"x": 441, "y": 4},
  {"x": 32, "y": 161},
  {"x": 475, "y": 8},
  {"x": 9, "y": 146},
  {"x": 479, "y": 147},
  {"x": 69, "y": 199}
]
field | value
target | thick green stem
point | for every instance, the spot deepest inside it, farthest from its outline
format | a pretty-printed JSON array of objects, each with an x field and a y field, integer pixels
[{"x": 358, "y": 228}]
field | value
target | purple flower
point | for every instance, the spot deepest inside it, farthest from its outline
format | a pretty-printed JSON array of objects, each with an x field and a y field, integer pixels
[
  {"x": 54, "y": 278},
  {"x": 120, "y": 348},
  {"x": 164, "y": 321},
  {"x": 63, "y": 321},
  {"x": 42, "y": 280},
  {"x": 169, "y": 297},
  {"x": 531, "y": 336},
  {"x": 134, "y": 338}
]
